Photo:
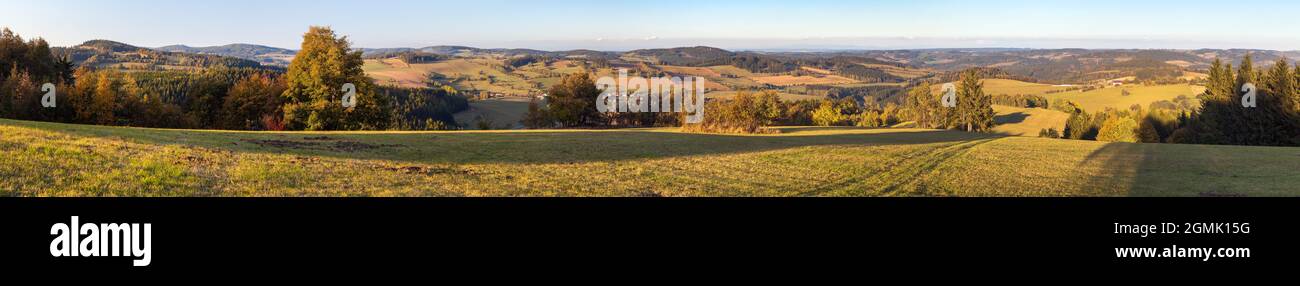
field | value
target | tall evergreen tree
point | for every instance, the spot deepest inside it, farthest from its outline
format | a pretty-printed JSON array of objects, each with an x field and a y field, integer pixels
[{"x": 974, "y": 107}]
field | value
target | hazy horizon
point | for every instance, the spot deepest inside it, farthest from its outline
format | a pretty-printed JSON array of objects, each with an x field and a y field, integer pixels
[{"x": 732, "y": 25}]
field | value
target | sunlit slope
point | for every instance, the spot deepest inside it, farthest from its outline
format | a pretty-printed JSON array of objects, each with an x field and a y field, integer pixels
[{"x": 47, "y": 159}]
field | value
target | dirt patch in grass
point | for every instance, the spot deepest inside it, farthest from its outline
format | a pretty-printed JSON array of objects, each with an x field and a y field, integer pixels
[
  {"x": 316, "y": 144},
  {"x": 425, "y": 170},
  {"x": 1221, "y": 195}
]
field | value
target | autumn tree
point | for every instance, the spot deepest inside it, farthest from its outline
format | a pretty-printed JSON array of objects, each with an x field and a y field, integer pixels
[
  {"x": 571, "y": 103},
  {"x": 314, "y": 81},
  {"x": 251, "y": 101}
]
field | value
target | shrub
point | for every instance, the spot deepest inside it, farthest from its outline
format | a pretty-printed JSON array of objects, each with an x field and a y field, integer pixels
[
  {"x": 1049, "y": 133},
  {"x": 744, "y": 113},
  {"x": 1119, "y": 129}
]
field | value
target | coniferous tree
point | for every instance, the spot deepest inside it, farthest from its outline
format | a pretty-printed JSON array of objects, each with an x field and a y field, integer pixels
[
  {"x": 974, "y": 107},
  {"x": 1277, "y": 120}
]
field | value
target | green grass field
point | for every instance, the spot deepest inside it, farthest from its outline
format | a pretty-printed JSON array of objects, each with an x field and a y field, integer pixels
[
  {"x": 1094, "y": 100},
  {"x": 1113, "y": 97},
  {"x": 1027, "y": 121},
  {"x": 501, "y": 113},
  {"x": 49, "y": 159},
  {"x": 466, "y": 74}
]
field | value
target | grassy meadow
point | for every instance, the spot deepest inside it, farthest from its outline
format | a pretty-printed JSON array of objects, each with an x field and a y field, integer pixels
[
  {"x": 1018, "y": 121},
  {"x": 51, "y": 159},
  {"x": 500, "y": 113},
  {"x": 1113, "y": 97},
  {"x": 1094, "y": 100}
]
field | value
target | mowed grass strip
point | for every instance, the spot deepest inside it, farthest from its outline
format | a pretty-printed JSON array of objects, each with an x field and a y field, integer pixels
[{"x": 50, "y": 159}]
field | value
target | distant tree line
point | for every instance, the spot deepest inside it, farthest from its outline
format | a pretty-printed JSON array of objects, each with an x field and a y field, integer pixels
[
  {"x": 572, "y": 104},
  {"x": 409, "y": 57},
  {"x": 749, "y": 112},
  {"x": 1022, "y": 100}
]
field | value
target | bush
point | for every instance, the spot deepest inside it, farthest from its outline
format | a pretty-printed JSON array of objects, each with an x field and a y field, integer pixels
[
  {"x": 836, "y": 113},
  {"x": 745, "y": 113},
  {"x": 1049, "y": 133},
  {"x": 1119, "y": 129},
  {"x": 870, "y": 118}
]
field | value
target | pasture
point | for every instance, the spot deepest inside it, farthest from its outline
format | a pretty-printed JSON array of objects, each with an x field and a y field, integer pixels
[{"x": 52, "y": 159}]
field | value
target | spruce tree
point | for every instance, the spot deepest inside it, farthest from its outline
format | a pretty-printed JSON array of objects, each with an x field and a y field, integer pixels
[
  {"x": 1277, "y": 115},
  {"x": 974, "y": 107}
]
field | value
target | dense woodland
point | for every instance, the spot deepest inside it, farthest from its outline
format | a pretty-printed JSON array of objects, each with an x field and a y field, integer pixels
[{"x": 225, "y": 93}]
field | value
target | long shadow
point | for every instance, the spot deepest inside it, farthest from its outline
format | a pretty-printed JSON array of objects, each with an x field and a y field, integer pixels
[
  {"x": 1013, "y": 118},
  {"x": 1145, "y": 170},
  {"x": 1120, "y": 168},
  {"x": 544, "y": 146}
]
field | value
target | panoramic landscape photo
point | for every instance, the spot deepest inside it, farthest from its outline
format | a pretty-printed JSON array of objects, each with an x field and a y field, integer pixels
[{"x": 663, "y": 99}]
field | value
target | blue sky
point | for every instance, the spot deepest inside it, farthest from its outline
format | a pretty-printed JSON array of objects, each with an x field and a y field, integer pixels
[{"x": 621, "y": 25}]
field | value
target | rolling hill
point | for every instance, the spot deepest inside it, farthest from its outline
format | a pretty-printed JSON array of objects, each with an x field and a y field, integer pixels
[
  {"x": 1099, "y": 99},
  {"x": 52, "y": 159},
  {"x": 110, "y": 54},
  {"x": 263, "y": 54}
]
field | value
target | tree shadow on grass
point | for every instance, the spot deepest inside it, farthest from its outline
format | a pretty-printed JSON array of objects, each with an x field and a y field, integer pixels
[
  {"x": 1161, "y": 170},
  {"x": 1113, "y": 169},
  {"x": 539, "y": 146},
  {"x": 1012, "y": 118}
]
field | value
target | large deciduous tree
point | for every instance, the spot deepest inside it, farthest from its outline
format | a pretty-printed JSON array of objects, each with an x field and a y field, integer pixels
[{"x": 314, "y": 82}]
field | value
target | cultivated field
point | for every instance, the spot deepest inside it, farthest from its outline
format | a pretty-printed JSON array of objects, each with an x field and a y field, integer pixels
[
  {"x": 463, "y": 74},
  {"x": 49, "y": 159},
  {"x": 789, "y": 80},
  {"x": 1014, "y": 87}
]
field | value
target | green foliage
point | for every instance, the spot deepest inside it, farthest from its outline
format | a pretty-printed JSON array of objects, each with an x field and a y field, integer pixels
[
  {"x": 1119, "y": 129},
  {"x": 745, "y": 113},
  {"x": 1021, "y": 100},
  {"x": 871, "y": 118},
  {"x": 424, "y": 108},
  {"x": 1223, "y": 120},
  {"x": 973, "y": 113},
  {"x": 922, "y": 106},
  {"x": 314, "y": 80},
  {"x": 1080, "y": 126},
  {"x": 571, "y": 103},
  {"x": 828, "y": 114},
  {"x": 536, "y": 118},
  {"x": 841, "y": 112},
  {"x": 1049, "y": 133},
  {"x": 1146, "y": 132},
  {"x": 252, "y": 103},
  {"x": 975, "y": 108}
]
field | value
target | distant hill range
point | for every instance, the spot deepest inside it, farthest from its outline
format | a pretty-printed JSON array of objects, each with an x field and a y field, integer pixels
[
  {"x": 262, "y": 54},
  {"x": 1041, "y": 65},
  {"x": 110, "y": 54}
]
